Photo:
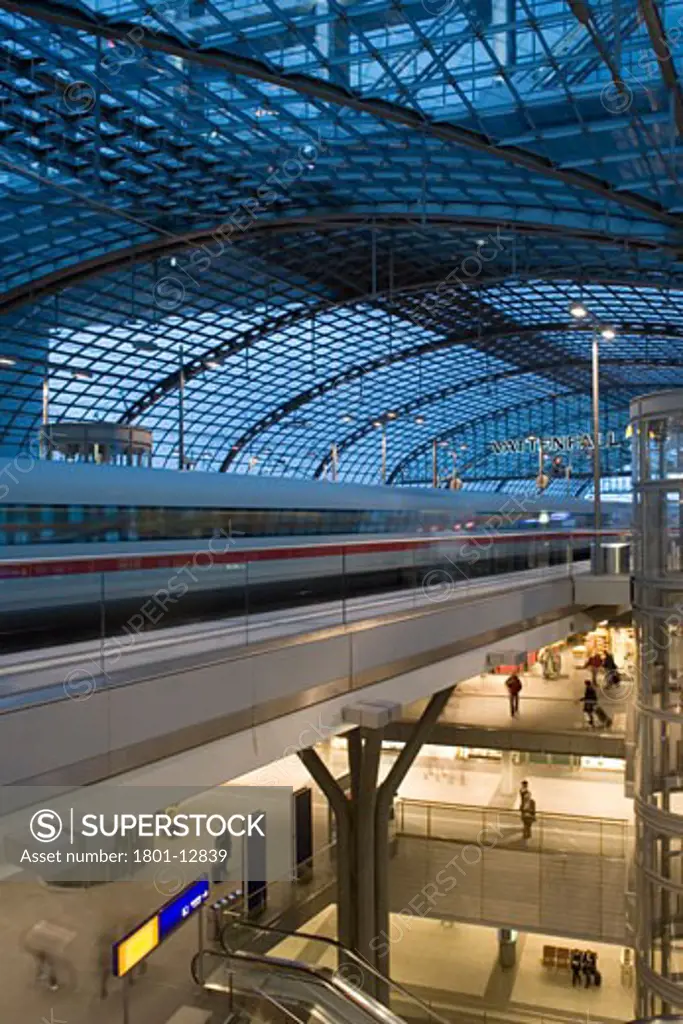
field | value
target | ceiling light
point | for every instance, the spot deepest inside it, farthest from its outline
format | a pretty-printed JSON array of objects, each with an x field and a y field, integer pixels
[
  {"x": 212, "y": 364},
  {"x": 608, "y": 334},
  {"x": 377, "y": 423},
  {"x": 173, "y": 261},
  {"x": 578, "y": 311},
  {"x": 443, "y": 444},
  {"x": 82, "y": 374},
  {"x": 7, "y": 361},
  {"x": 347, "y": 418},
  {"x": 392, "y": 415},
  {"x": 481, "y": 241},
  {"x": 419, "y": 420}
]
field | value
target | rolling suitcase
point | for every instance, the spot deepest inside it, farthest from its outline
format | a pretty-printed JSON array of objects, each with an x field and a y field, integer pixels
[{"x": 602, "y": 717}]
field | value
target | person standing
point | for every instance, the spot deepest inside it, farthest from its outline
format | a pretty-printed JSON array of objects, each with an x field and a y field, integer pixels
[
  {"x": 528, "y": 815},
  {"x": 576, "y": 967},
  {"x": 524, "y": 792},
  {"x": 514, "y": 687}
]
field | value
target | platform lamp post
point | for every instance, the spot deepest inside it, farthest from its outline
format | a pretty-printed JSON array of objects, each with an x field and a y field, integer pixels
[
  {"x": 181, "y": 408},
  {"x": 580, "y": 312}
]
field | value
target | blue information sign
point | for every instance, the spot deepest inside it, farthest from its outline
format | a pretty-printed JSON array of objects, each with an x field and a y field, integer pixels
[
  {"x": 143, "y": 940},
  {"x": 182, "y": 906}
]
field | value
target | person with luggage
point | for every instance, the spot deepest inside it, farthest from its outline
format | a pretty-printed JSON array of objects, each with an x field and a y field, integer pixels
[
  {"x": 611, "y": 671},
  {"x": 514, "y": 687}
]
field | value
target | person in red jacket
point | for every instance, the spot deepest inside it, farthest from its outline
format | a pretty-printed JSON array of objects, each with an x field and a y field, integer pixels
[
  {"x": 594, "y": 663},
  {"x": 514, "y": 688}
]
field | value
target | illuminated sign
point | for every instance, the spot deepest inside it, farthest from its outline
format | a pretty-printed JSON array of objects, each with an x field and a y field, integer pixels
[
  {"x": 561, "y": 443},
  {"x": 136, "y": 947},
  {"x": 132, "y": 949}
]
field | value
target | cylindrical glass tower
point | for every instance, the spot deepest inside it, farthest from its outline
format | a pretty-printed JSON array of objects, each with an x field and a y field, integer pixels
[{"x": 657, "y": 423}]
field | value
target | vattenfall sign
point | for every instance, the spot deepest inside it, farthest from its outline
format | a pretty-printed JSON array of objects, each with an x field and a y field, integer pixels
[{"x": 563, "y": 443}]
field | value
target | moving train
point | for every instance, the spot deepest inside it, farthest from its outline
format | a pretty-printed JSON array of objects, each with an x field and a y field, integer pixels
[{"x": 75, "y": 537}]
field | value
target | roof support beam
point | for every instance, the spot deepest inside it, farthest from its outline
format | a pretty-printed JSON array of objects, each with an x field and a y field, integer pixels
[
  {"x": 474, "y": 339},
  {"x": 327, "y": 92},
  {"x": 453, "y": 389},
  {"x": 470, "y": 426},
  {"x": 664, "y": 55}
]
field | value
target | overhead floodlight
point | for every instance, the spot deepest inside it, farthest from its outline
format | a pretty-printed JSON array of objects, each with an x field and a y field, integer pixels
[
  {"x": 7, "y": 361},
  {"x": 608, "y": 334},
  {"x": 347, "y": 418},
  {"x": 377, "y": 423},
  {"x": 392, "y": 415},
  {"x": 419, "y": 420},
  {"x": 578, "y": 311},
  {"x": 82, "y": 374}
]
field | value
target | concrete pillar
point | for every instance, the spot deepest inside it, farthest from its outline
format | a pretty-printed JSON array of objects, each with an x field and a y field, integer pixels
[
  {"x": 507, "y": 774},
  {"x": 507, "y": 948}
]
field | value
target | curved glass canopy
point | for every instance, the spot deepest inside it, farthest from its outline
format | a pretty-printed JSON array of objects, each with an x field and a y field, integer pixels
[{"x": 353, "y": 231}]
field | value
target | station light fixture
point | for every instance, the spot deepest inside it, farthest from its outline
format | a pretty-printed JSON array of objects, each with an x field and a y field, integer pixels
[
  {"x": 578, "y": 311},
  {"x": 213, "y": 364},
  {"x": 419, "y": 420},
  {"x": 82, "y": 374},
  {"x": 347, "y": 418},
  {"x": 392, "y": 415},
  {"x": 7, "y": 361},
  {"x": 608, "y": 333},
  {"x": 377, "y": 423}
]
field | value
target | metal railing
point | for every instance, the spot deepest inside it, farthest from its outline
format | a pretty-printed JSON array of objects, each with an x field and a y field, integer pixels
[{"x": 551, "y": 833}]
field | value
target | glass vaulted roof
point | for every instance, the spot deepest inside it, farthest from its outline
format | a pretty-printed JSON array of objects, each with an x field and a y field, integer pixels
[{"x": 349, "y": 226}]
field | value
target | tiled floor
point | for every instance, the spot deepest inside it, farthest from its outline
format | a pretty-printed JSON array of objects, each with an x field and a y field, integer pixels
[
  {"x": 458, "y": 966},
  {"x": 551, "y": 705}
]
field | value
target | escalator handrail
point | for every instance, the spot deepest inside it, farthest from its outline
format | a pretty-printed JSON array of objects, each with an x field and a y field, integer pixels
[
  {"x": 316, "y": 974},
  {"x": 360, "y": 960}
]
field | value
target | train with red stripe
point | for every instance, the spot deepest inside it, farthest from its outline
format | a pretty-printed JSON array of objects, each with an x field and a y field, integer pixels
[{"x": 82, "y": 547}]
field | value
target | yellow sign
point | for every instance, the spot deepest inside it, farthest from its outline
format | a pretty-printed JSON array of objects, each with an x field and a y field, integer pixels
[{"x": 137, "y": 946}]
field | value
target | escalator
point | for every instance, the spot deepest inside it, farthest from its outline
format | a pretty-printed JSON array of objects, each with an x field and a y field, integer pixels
[{"x": 340, "y": 988}]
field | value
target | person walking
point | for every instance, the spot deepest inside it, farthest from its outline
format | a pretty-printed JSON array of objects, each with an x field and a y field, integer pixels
[
  {"x": 524, "y": 793},
  {"x": 576, "y": 966},
  {"x": 514, "y": 687},
  {"x": 528, "y": 815},
  {"x": 589, "y": 701},
  {"x": 594, "y": 663}
]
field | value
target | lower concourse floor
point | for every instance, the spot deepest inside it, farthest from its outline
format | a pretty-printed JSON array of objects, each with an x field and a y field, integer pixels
[{"x": 451, "y": 966}]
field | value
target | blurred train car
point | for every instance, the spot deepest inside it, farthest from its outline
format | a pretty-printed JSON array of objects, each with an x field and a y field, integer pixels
[{"x": 77, "y": 538}]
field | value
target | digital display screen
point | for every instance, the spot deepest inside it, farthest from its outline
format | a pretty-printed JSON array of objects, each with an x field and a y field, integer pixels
[{"x": 144, "y": 940}]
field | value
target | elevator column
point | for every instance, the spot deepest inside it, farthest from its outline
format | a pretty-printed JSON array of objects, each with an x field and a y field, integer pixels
[{"x": 657, "y": 425}]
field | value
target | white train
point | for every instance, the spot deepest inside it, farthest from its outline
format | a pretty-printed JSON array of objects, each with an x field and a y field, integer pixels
[{"x": 75, "y": 538}]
